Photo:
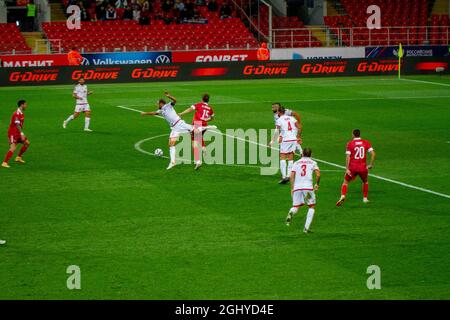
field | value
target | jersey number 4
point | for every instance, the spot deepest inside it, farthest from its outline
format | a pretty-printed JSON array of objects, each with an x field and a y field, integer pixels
[
  {"x": 289, "y": 126},
  {"x": 359, "y": 153}
]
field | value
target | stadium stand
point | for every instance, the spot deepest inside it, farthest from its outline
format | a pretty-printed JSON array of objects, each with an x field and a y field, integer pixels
[
  {"x": 12, "y": 41},
  {"x": 167, "y": 30},
  {"x": 402, "y": 22},
  {"x": 288, "y": 32}
]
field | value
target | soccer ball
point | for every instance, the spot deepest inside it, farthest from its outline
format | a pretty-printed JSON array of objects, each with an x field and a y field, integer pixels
[{"x": 158, "y": 152}]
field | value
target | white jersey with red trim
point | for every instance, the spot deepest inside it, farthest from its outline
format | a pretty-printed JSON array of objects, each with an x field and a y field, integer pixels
[
  {"x": 169, "y": 113},
  {"x": 288, "y": 128},
  {"x": 81, "y": 91},
  {"x": 304, "y": 170},
  {"x": 287, "y": 112}
]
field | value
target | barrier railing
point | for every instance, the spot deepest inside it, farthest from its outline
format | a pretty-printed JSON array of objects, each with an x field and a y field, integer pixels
[{"x": 350, "y": 37}]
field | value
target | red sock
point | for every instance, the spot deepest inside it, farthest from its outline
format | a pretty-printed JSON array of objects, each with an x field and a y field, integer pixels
[
  {"x": 22, "y": 150},
  {"x": 344, "y": 190},
  {"x": 8, "y": 156},
  {"x": 365, "y": 189}
]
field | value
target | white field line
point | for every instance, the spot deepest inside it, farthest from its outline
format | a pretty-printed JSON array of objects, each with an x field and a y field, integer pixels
[
  {"x": 427, "y": 82},
  {"x": 138, "y": 147},
  {"x": 318, "y": 160},
  {"x": 315, "y": 100}
]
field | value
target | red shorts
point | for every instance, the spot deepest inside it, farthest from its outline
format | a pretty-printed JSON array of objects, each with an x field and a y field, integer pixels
[
  {"x": 362, "y": 174},
  {"x": 15, "y": 138}
]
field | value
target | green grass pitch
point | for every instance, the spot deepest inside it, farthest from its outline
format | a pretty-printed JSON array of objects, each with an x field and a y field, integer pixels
[{"x": 140, "y": 232}]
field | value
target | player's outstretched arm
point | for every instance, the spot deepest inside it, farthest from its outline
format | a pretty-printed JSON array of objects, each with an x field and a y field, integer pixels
[
  {"x": 372, "y": 159},
  {"x": 75, "y": 96},
  {"x": 188, "y": 110},
  {"x": 168, "y": 95},
  {"x": 150, "y": 113}
]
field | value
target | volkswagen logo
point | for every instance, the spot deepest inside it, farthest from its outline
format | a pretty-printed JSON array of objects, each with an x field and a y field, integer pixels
[
  {"x": 85, "y": 62},
  {"x": 162, "y": 59}
]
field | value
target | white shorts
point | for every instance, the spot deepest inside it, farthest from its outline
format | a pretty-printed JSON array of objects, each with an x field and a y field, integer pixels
[
  {"x": 82, "y": 107},
  {"x": 288, "y": 147},
  {"x": 300, "y": 197},
  {"x": 299, "y": 148},
  {"x": 179, "y": 128}
]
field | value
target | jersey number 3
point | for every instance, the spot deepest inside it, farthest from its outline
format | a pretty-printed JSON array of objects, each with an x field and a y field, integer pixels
[{"x": 303, "y": 173}]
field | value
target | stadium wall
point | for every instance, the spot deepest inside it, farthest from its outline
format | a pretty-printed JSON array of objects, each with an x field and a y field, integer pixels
[{"x": 220, "y": 71}]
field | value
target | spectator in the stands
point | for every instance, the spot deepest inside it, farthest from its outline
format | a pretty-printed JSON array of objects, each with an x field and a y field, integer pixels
[
  {"x": 100, "y": 11},
  {"x": 128, "y": 13},
  {"x": 84, "y": 14},
  {"x": 200, "y": 2},
  {"x": 167, "y": 6},
  {"x": 111, "y": 13},
  {"x": 121, "y": 4},
  {"x": 136, "y": 7},
  {"x": 179, "y": 5},
  {"x": 225, "y": 10},
  {"x": 147, "y": 6},
  {"x": 189, "y": 9},
  {"x": 144, "y": 18},
  {"x": 212, "y": 6},
  {"x": 72, "y": 3}
]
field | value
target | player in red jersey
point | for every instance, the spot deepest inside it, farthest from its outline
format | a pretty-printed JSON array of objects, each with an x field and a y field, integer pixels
[
  {"x": 356, "y": 164},
  {"x": 203, "y": 114},
  {"x": 16, "y": 135}
]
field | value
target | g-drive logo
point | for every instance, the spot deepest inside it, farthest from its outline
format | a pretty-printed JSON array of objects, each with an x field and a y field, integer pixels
[{"x": 107, "y": 59}]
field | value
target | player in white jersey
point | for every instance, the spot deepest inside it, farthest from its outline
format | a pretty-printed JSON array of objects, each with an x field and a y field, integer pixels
[
  {"x": 177, "y": 125},
  {"x": 288, "y": 135},
  {"x": 302, "y": 188},
  {"x": 80, "y": 93},
  {"x": 275, "y": 107}
]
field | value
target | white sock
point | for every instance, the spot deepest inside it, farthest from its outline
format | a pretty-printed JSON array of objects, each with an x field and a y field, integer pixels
[
  {"x": 293, "y": 210},
  {"x": 86, "y": 122},
  {"x": 290, "y": 164},
  {"x": 70, "y": 118},
  {"x": 172, "y": 154},
  {"x": 283, "y": 168},
  {"x": 309, "y": 218}
]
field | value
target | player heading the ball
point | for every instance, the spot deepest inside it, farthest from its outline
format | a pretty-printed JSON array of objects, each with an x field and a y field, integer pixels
[
  {"x": 356, "y": 165},
  {"x": 176, "y": 124}
]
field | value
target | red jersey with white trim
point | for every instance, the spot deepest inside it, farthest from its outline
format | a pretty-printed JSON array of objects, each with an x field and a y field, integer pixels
[
  {"x": 17, "y": 118},
  {"x": 357, "y": 149},
  {"x": 203, "y": 113}
]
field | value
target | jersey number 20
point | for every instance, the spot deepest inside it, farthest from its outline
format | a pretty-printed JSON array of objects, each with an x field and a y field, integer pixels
[{"x": 359, "y": 153}]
